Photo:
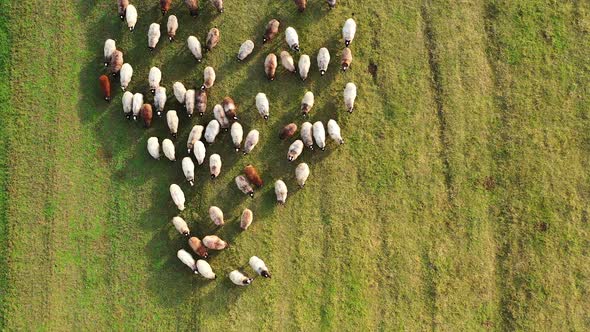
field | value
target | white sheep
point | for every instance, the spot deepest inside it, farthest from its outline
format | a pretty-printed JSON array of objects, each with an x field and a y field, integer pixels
[
  {"x": 154, "y": 78},
  {"x": 131, "y": 17},
  {"x": 258, "y": 266},
  {"x": 246, "y": 219},
  {"x": 172, "y": 121},
  {"x": 287, "y": 61},
  {"x": 281, "y": 191},
  {"x": 171, "y": 27},
  {"x": 219, "y": 115},
  {"x": 194, "y": 136},
  {"x": 160, "y": 100},
  {"x": 214, "y": 165},
  {"x": 245, "y": 49},
  {"x": 187, "y": 259},
  {"x": 216, "y": 215},
  {"x": 168, "y": 149},
  {"x": 179, "y": 92},
  {"x": 188, "y": 168},
  {"x": 177, "y": 196},
  {"x": 349, "y": 96},
  {"x": 153, "y": 147},
  {"x": 205, "y": 269},
  {"x": 125, "y": 75},
  {"x": 323, "y": 60},
  {"x": 181, "y": 226},
  {"x": 239, "y": 278},
  {"x": 307, "y": 134},
  {"x": 237, "y": 134},
  {"x": 307, "y": 103},
  {"x": 127, "y": 102},
  {"x": 319, "y": 135},
  {"x": 295, "y": 150},
  {"x": 251, "y": 141},
  {"x": 214, "y": 242},
  {"x": 136, "y": 106},
  {"x": 194, "y": 45},
  {"x": 348, "y": 31},
  {"x": 292, "y": 39},
  {"x": 301, "y": 174},
  {"x": 244, "y": 185},
  {"x": 208, "y": 78},
  {"x": 109, "y": 48},
  {"x": 262, "y": 105},
  {"x": 189, "y": 102},
  {"x": 211, "y": 131},
  {"x": 153, "y": 36},
  {"x": 304, "y": 64},
  {"x": 334, "y": 131},
  {"x": 199, "y": 152}
]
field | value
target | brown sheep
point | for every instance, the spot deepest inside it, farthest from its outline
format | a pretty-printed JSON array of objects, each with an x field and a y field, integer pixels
[
  {"x": 253, "y": 176},
  {"x": 230, "y": 108},
  {"x": 201, "y": 102},
  {"x": 346, "y": 58},
  {"x": 218, "y": 4},
  {"x": 105, "y": 87},
  {"x": 116, "y": 62},
  {"x": 301, "y": 5},
  {"x": 246, "y": 219},
  {"x": 212, "y": 38},
  {"x": 270, "y": 66},
  {"x": 272, "y": 29},
  {"x": 165, "y": 6},
  {"x": 146, "y": 114},
  {"x": 288, "y": 131},
  {"x": 193, "y": 6},
  {"x": 122, "y": 7},
  {"x": 198, "y": 247}
]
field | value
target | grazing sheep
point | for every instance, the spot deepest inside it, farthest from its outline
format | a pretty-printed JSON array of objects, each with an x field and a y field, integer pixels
[
  {"x": 239, "y": 278},
  {"x": 205, "y": 270},
  {"x": 109, "y": 48},
  {"x": 211, "y": 131},
  {"x": 319, "y": 135},
  {"x": 125, "y": 75},
  {"x": 208, "y": 78},
  {"x": 188, "y": 168},
  {"x": 253, "y": 176},
  {"x": 194, "y": 45},
  {"x": 246, "y": 219},
  {"x": 131, "y": 17},
  {"x": 245, "y": 49},
  {"x": 334, "y": 131},
  {"x": 171, "y": 27},
  {"x": 304, "y": 64},
  {"x": 270, "y": 66},
  {"x": 295, "y": 150},
  {"x": 216, "y": 215},
  {"x": 127, "y": 102},
  {"x": 193, "y": 7},
  {"x": 165, "y": 6},
  {"x": 181, "y": 226},
  {"x": 201, "y": 102},
  {"x": 177, "y": 196},
  {"x": 200, "y": 152},
  {"x": 272, "y": 29},
  {"x": 189, "y": 102},
  {"x": 349, "y": 96},
  {"x": 259, "y": 267},
  {"x": 198, "y": 247},
  {"x": 262, "y": 105},
  {"x": 105, "y": 87},
  {"x": 187, "y": 259},
  {"x": 147, "y": 114},
  {"x": 219, "y": 115},
  {"x": 153, "y": 36},
  {"x": 160, "y": 100},
  {"x": 244, "y": 186},
  {"x": 194, "y": 136},
  {"x": 287, "y": 61},
  {"x": 116, "y": 62},
  {"x": 218, "y": 4},
  {"x": 153, "y": 147},
  {"x": 307, "y": 103},
  {"x": 212, "y": 39},
  {"x": 230, "y": 108},
  {"x": 214, "y": 242},
  {"x": 331, "y": 3},
  {"x": 301, "y": 174},
  {"x": 288, "y": 131},
  {"x": 281, "y": 191},
  {"x": 122, "y": 8},
  {"x": 168, "y": 149},
  {"x": 214, "y": 165},
  {"x": 179, "y": 92},
  {"x": 251, "y": 141},
  {"x": 292, "y": 39},
  {"x": 301, "y": 5},
  {"x": 348, "y": 31},
  {"x": 346, "y": 59},
  {"x": 237, "y": 134},
  {"x": 154, "y": 78},
  {"x": 136, "y": 106},
  {"x": 323, "y": 60},
  {"x": 172, "y": 121},
  {"x": 307, "y": 134}
]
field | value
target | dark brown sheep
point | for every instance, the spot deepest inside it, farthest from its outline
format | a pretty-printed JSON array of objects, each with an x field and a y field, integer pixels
[
  {"x": 230, "y": 108},
  {"x": 105, "y": 87},
  {"x": 116, "y": 62},
  {"x": 146, "y": 114},
  {"x": 201, "y": 101},
  {"x": 198, "y": 247},
  {"x": 288, "y": 131},
  {"x": 122, "y": 7},
  {"x": 218, "y": 4},
  {"x": 301, "y": 5},
  {"x": 270, "y": 66},
  {"x": 272, "y": 29},
  {"x": 346, "y": 58},
  {"x": 193, "y": 6},
  {"x": 253, "y": 176},
  {"x": 165, "y": 6}
]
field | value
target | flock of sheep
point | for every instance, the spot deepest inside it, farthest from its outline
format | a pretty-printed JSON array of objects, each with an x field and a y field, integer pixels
[{"x": 225, "y": 118}]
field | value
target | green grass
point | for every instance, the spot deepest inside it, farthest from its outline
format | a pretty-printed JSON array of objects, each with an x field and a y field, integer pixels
[{"x": 459, "y": 201}]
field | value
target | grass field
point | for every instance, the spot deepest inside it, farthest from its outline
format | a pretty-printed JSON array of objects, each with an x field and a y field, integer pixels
[{"x": 460, "y": 200}]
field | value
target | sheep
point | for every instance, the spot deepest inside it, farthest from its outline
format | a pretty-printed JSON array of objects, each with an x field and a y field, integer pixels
[
  {"x": 122, "y": 8},
  {"x": 146, "y": 114},
  {"x": 272, "y": 29},
  {"x": 287, "y": 61},
  {"x": 288, "y": 131},
  {"x": 230, "y": 108},
  {"x": 109, "y": 48},
  {"x": 205, "y": 270},
  {"x": 334, "y": 131},
  {"x": 201, "y": 102},
  {"x": 246, "y": 219},
  {"x": 177, "y": 196},
  {"x": 179, "y": 92},
  {"x": 307, "y": 103},
  {"x": 193, "y": 7},
  {"x": 251, "y": 141},
  {"x": 323, "y": 60},
  {"x": 194, "y": 45},
  {"x": 172, "y": 121},
  {"x": 211, "y": 131},
  {"x": 319, "y": 135},
  {"x": 216, "y": 215},
  {"x": 307, "y": 134},
  {"x": 131, "y": 17},
  {"x": 292, "y": 39},
  {"x": 181, "y": 226},
  {"x": 187, "y": 259},
  {"x": 198, "y": 247},
  {"x": 301, "y": 174},
  {"x": 349, "y": 96},
  {"x": 253, "y": 176},
  {"x": 281, "y": 191},
  {"x": 160, "y": 100},
  {"x": 208, "y": 78},
  {"x": 304, "y": 64},
  {"x": 295, "y": 150},
  {"x": 105, "y": 87},
  {"x": 237, "y": 134},
  {"x": 125, "y": 75},
  {"x": 193, "y": 137},
  {"x": 171, "y": 27},
  {"x": 127, "y": 102},
  {"x": 301, "y": 5},
  {"x": 238, "y": 278},
  {"x": 270, "y": 66},
  {"x": 245, "y": 49},
  {"x": 168, "y": 149},
  {"x": 219, "y": 115},
  {"x": 200, "y": 152},
  {"x": 331, "y": 4},
  {"x": 116, "y": 62},
  {"x": 212, "y": 39},
  {"x": 136, "y": 106},
  {"x": 188, "y": 168},
  {"x": 154, "y": 78},
  {"x": 244, "y": 186},
  {"x": 218, "y": 4},
  {"x": 346, "y": 59},
  {"x": 189, "y": 102},
  {"x": 348, "y": 31},
  {"x": 262, "y": 105},
  {"x": 153, "y": 36},
  {"x": 165, "y": 6},
  {"x": 214, "y": 165},
  {"x": 259, "y": 267},
  {"x": 153, "y": 147},
  {"x": 214, "y": 242}
]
